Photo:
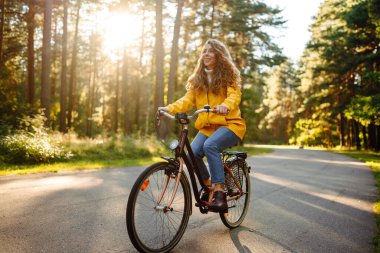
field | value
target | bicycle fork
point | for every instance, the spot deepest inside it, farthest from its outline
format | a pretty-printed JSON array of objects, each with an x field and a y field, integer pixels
[{"x": 168, "y": 207}]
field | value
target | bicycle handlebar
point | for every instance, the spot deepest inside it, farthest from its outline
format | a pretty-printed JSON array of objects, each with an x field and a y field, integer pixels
[{"x": 168, "y": 115}]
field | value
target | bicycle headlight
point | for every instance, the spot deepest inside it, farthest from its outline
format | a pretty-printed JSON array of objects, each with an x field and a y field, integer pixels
[{"x": 173, "y": 144}]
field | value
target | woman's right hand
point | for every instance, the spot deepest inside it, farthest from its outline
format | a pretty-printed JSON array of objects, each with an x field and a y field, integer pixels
[{"x": 162, "y": 109}]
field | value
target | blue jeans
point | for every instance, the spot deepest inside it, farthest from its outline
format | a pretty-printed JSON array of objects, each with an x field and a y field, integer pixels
[{"x": 211, "y": 147}]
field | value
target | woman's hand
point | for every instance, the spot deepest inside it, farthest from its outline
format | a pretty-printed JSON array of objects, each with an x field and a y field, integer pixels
[
  {"x": 221, "y": 109},
  {"x": 162, "y": 109}
]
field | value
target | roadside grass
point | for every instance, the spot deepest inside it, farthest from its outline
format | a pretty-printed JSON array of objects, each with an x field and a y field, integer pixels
[
  {"x": 22, "y": 169},
  {"x": 372, "y": 159},
  {"x": 92, "y": 156}
]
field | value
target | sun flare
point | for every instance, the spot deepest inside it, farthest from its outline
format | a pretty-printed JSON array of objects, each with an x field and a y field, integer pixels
[{"x": 121, "y": 30}]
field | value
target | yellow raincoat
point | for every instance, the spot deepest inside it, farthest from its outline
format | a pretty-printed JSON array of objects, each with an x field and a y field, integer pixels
[{"x": 207, "y": 123}]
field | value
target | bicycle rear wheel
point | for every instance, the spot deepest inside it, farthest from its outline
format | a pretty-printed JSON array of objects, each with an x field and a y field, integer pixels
[
  {"x": 152, "y": 227},
  {"x": 237, "y": 209}
]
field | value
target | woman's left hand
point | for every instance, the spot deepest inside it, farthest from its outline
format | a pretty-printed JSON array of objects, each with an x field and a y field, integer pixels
[{"x": 221, "y": 109}]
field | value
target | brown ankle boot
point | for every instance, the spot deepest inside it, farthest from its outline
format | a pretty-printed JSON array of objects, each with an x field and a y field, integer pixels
[{"x": 219, "y": 204}]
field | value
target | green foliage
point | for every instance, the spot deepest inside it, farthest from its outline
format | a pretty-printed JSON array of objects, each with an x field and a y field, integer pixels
[
  {"x": 25, "y": 147},
  {"x": 365, "y": 110},
  {"x": 115, "y": 148},
  {"x": 340, "y": 76},
  {"x": 12, "y": 107},
  {"x": 281, "y": 101},
  {"x": 31, "y": 143},
  {"x": 313, "y": 132}
]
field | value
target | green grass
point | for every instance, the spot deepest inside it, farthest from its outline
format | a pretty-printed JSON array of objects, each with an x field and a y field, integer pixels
[
  {"x": 373, "y": 161},
  {"x": 9, "y": 169},
  {"x": 90, "y": 159}
]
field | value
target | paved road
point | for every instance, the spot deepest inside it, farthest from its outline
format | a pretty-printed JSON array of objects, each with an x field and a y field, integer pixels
[{"x": 303, "y": 201}]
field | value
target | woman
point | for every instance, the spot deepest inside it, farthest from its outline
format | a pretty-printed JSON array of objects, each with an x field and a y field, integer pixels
[{"x": 214, "y": 82}]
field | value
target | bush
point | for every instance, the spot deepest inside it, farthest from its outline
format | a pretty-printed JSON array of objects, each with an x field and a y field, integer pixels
[
  {"x": 24, "y": 147},
  {"x": 31, "y": 144},
  {"x": 116, "y": 147}
]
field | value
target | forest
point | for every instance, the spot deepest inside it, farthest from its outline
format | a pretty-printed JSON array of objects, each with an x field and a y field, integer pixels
[{"x": 94, "y": 68}]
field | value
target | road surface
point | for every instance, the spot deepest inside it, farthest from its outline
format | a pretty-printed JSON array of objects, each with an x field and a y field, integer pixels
[{"x": 302, "y": 201}]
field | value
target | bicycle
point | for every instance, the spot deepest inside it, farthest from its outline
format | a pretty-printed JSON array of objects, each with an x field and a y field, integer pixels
[{"x": 160, "y": 201}]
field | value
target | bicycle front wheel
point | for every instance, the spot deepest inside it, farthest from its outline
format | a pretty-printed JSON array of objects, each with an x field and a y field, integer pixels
[
  {"x": 237, "y": 208},
  {"x": 152, "y": 225}
]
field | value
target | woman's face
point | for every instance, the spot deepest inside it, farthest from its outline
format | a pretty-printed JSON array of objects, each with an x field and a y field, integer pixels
[{"x": 209, "y": 57}]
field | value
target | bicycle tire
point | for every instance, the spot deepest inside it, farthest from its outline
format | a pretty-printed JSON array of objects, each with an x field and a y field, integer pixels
[
  {"x": 151, "y": 229},
  {"x": 237, "y": 209}
]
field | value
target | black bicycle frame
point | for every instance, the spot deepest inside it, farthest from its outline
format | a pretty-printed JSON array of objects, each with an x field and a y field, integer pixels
[{"x": 191, "y": 164}]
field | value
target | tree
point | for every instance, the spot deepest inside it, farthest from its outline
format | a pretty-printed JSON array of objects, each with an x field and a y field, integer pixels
[
  {"x": 73, "y": 71},
  {"x": 30, "y": 19},
  {"x": 281, "y": 102},
  {"x": 159, "y": 56},
  {"x": 174, "y": 52},
  {"x": 63, "y": 93},
  {"x": 46, "y": 57},
  {"x": 126, "y": 99},
  {"x": 2, "y": 19},
  {"x": 117, "y": 95},
  {"x": 341, "y": 62}
]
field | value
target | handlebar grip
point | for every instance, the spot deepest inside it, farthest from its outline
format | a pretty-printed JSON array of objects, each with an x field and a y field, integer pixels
[
  {"x": 166, "y": 114},
  {"x": 206, "y": 108}
]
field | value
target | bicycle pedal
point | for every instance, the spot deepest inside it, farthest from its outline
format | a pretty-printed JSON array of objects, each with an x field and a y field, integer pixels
[
  {"x": 203, "y": 209},
  {"x": 199, "y": 205}
]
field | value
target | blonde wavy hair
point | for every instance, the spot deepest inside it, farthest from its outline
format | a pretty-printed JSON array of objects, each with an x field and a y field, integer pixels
[{"x": 224, "y": 74}]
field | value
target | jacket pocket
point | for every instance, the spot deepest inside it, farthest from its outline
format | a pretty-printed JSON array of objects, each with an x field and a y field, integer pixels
[{"x": 216, "y": 119}]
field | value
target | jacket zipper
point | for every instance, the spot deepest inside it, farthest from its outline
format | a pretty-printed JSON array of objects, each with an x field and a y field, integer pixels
[{"x": 208, "y": 113}]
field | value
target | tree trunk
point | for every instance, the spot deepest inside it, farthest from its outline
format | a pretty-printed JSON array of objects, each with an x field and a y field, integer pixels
[
  {"x": 2, "y": 19},
  {"x": 174, "y": 52},
  {"x": 341, "y": 130},
  {"x": 138, "y": 98},
  {"x": 117, "y": 93},
  {"x": 137, "y": 107},
  {"x": 372, "y": 136},
  {"x": 54, "y": 63},
  {"x": 46, "y": 64},
  {"x": 91, "y": 87},
  {"x": 159, "y": 47},
  {"x": 63, "y": 93},
  {"x": 353, "y": 137},
  {"x": 365, "y": 142},
  {"x": 377, "y": 145},
  {"x": 213, "y": 3},
  {"x": 330, "y": 138},
  {"x": 357, "y": 137},
  {"x": 30, "y": 89},
  {"x": 349, "y": 139},
  {"x": 73, "y": 74},
  {"x": 150, "y": 103},
  {"x": 126, "y": 99}
]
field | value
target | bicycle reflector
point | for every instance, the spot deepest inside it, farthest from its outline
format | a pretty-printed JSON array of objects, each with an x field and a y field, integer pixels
[{"x": 145, "y": 185}]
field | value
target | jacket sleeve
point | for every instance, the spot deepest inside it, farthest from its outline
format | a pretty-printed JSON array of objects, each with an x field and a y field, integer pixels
[
  {"x": 233, "y": 98},
  {"x": 183, "y": 104}
]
